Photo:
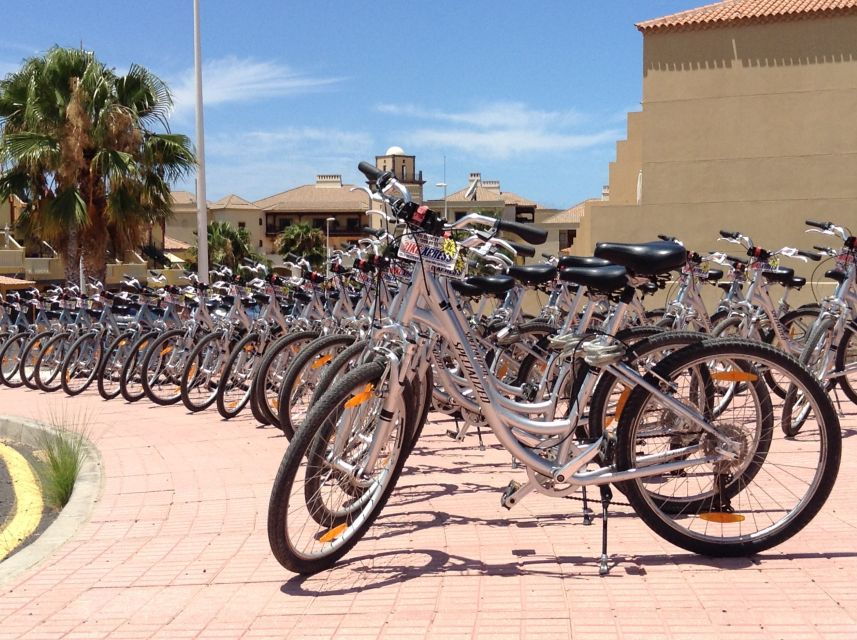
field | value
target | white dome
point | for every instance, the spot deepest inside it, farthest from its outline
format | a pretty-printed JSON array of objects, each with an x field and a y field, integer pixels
[{"x": 395, "y": 151}]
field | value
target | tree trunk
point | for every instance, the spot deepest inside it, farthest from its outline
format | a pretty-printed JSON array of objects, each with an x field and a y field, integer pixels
[
  {"x": 94, "y": 250},
  {"x": 71, "y": 256}
]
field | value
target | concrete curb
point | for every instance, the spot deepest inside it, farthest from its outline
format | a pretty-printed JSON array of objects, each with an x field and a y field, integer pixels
[{"x": 87, "y": 491}]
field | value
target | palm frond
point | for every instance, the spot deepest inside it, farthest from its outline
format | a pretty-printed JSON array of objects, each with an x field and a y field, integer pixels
[{"x": 30, "y": 149}]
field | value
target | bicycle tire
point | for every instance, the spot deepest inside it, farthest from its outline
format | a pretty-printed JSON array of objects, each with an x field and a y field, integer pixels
[
  {"x": 316, "y": 429},
  {"x": 750, "y": 353},
  {"x": 295, "y": 372},
  {"x": 261, "y": 383},
  {"x": 151, "y": 392}
]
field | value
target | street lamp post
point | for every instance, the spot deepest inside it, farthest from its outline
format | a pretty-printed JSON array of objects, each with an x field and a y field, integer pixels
[
  {"x": 201, "y": 202},
  {"x": 443, "y": 184},
  {"x": 327, "y": 244}
]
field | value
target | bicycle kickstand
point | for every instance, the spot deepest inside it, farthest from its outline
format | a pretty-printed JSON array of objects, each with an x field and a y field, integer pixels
[
  {"x": 587, "y": 512},
  {"x": 606, "y": 497}
]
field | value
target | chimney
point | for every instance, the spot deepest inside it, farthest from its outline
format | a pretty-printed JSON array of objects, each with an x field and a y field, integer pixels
[
  {"x": 605, "y": 192},
  {"x": 328, "y": 181},
  {"x": 475, "y": 175},
  {"x": 493, "y": 185}
]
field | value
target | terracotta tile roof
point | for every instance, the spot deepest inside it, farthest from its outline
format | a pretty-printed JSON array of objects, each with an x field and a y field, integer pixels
[
  {"x": 183, "y": 197},
  {"x": 171, "y": 244},
  {"x": 572, "y": 215},
  {"x": 233, "y": 202},
  {"x": 732, "y": 11},
  {"x": 14, "y": 283},
  {"x": 484, "y": 194},
  {"x": 309, "y": 198}
]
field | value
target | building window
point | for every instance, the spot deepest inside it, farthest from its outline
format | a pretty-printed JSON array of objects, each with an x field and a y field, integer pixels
[
  {"x": 459, "y": 215},
  {"x": 276, "y": 222},
  {"x": 566, "y": 238},
  {"x": 318, "y": 223},
  {"x": 352, "y": 224},
  {"x": 242, "y": 225}
]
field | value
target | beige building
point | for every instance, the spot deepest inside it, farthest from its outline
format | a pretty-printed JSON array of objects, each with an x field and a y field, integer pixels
[
  {"x": 747, "y": 124},
  {"x": 485, "y": 196},
  {"x": 313, "y": 204}
]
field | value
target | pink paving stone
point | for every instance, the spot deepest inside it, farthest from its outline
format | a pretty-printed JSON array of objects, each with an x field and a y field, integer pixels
[{"x": 177, "y": 547}]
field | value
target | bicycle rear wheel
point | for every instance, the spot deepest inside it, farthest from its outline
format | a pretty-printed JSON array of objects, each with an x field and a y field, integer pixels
[{"x": 765, "y": 487}]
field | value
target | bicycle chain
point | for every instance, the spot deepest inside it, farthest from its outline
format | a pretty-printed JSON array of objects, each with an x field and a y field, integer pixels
[{"x": 612, "y": 502}]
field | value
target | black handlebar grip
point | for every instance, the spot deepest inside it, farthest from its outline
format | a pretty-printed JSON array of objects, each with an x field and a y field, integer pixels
[
  {"x": 815, "y": 257},
  {"x": 818, "y": 247},
  {"x": 522, "y": 249},
  {"x": 369, "y": 231},
  {"x": 818, "y": 225},
  {"x": 370, "y": 171},
  {"x": 738, "y": 260},
  {"x": 527, "y": 232},
  {"x": 731, "y": 235}
]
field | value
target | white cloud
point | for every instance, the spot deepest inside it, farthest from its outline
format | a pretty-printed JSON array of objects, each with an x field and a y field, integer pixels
[
  {"x": 502, "y": 129},
  {"x": 231, "y": 79},
  {"x": 495, "y": 115},
  {"x": 256, "y": 164}
]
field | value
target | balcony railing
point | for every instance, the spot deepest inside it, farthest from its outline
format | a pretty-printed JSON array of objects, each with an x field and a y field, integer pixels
[{"x": 11, "y": 261}]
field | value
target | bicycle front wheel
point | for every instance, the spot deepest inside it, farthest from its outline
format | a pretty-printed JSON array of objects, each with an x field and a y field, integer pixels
[{"x": 322, "y": 501}]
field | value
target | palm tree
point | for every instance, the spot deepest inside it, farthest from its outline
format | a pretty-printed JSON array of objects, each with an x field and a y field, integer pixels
[
  {"x": 80, "y": 149},
  {"x": 227, "y": 245},
  {"x": 303, "y": 240}
]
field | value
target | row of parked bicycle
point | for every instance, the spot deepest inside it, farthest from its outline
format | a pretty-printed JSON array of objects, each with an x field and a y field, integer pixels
[{"x": 717, "y": 428}]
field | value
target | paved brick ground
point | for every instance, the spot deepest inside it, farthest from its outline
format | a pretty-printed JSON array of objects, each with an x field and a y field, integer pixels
[{"x": 177, "y": 548}]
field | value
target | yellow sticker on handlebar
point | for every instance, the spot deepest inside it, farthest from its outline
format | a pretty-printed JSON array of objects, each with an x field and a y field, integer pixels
[
  {"x": 734, "y": 376},
  {"x": 360, "y": 398}
]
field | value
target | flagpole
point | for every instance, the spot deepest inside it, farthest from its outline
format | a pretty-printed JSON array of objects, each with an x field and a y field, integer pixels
[{"x": 201, "y": 202}]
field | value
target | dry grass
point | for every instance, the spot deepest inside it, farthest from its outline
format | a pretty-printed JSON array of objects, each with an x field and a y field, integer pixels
[{"x": 63, "y": 452}]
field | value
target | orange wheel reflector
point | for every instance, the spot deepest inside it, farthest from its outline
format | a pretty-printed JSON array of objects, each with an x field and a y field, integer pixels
[
  {"x": 332, "y": 534},
  {"x": 734, "y": 376},
  {"x": 232, "y": 405},
  {"x": 249, "y": 347},
  {"x": 166, "y": 350},
  {"x": 122, "y": 343},
  {"x": 177, "y": 389},
  {"x": 502, "y": 370},
  {"x": 360, "y": 398},
  {"x": 620, "y": 404},
  {"x": 36, "y": 344},
  {"x": 321, "y": 361},
  {"x": 722, "y": 517},
  {"x": 275, "y": 404},
  {"x": 192, "y": 371},
  {"x": 144, "y": 345},
  {"x": 48, "y": 350}
]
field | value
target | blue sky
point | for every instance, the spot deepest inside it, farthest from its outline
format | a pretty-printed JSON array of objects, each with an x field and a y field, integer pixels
[{"x": 533, "y": 94}]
